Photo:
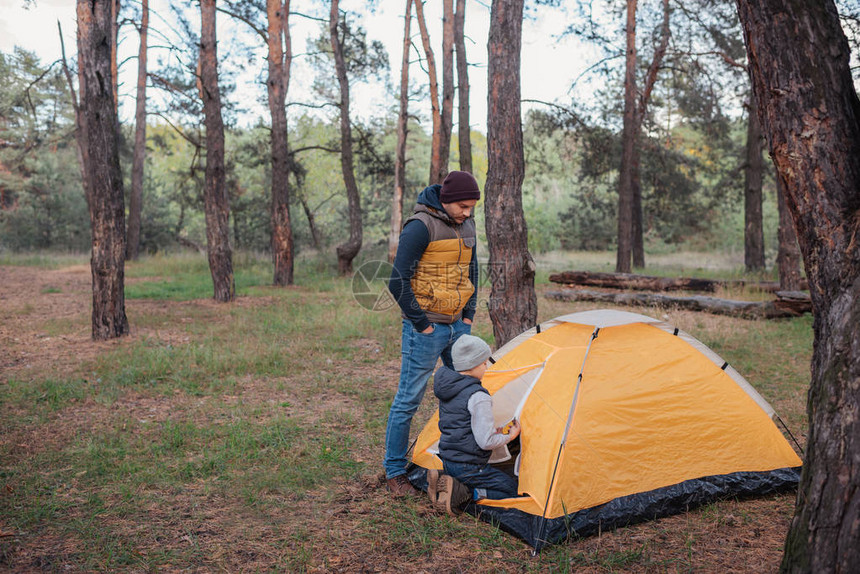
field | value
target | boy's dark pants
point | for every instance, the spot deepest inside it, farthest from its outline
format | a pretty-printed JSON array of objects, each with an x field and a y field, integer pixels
[{"x": 486, "y": 481}]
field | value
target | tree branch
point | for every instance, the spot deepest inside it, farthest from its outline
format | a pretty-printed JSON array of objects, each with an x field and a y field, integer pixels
[
  {"x": 326, "y": 200},
  {"x": 168, "y": 85},
  {"x": 592, "y": 67},
  {"x": 558, "y": 107},
  {"x": 67, "y": 72},
  {"x": 33, "y": 83},
  {"x": 247, "y": 21},
  {"x": 314, "y": 106},
  {"x": 312, "y": 147},
  {"x": 186, "y": 137},
  {"x": 308, "y": 17}
]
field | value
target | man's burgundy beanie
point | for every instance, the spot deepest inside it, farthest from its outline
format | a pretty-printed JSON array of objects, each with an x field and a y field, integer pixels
[{"x": 459, "y": 186}]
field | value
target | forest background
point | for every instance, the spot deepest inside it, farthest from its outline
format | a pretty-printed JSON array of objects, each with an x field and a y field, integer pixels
[{"x": 694, "y": 134}]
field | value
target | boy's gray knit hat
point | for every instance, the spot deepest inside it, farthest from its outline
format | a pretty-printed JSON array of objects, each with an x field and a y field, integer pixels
[{"x": 468, "y": 352}]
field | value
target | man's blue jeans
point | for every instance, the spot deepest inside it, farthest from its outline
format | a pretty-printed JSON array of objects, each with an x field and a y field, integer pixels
[
  {"x": 418, "y": 356},
  {"x": 484, "y": 480}
]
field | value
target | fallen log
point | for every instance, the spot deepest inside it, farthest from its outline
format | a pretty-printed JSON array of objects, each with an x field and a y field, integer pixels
[
  {"x": 792, "y": 304},
  {"x": 652, "y": 283},
  {"x": 798, "y": 302}
]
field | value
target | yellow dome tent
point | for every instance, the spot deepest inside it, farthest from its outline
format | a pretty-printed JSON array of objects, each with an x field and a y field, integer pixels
[{"x": 624, "y": 418}]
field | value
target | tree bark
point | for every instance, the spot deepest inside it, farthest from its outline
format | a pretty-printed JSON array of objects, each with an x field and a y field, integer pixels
[
  {"x": 788, "y": 255},
  {"x": 216, "y": 202},
  {"x": 628, "y": 145},
  {"x": 810, "y": 113},
  {"x": 435, "y": 110},
  {"x": 280, "y": 58},
  {"x": 753, "y": 170},
  {"x": 513, "y": 304},
  {"x": 135, "y": 204},
  {"x": 402, "y": 132},
  {"x": 446, "y": 125},
  {"x": 104, "y": 176},
  {"x": 464, "y": 128},
  {"x": 347, "y": 251}
]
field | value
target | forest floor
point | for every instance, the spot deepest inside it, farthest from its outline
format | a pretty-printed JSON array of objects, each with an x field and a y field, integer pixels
[{"x": 353, "y": 525}]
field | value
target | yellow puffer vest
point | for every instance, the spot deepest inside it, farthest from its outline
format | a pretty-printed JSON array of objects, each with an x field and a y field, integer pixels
[{"x": 441, "y": 282}]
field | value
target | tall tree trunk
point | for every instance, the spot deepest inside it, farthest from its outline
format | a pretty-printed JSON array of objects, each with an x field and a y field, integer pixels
[
  {"x": 447, "y": 117},
  {"x": 347, "y": 251},
  {"x": 810, "y": 113},
  {"x": 106, "y": 202},
  {"x": 435, "y": 111},
  {"x": 513, "y": 303},
  {"x": 464, "y": 129},
  {"x": 280, "y": 58},
  {"x": 638, "y": 238},
  {"x": 80, "y": 119},
  {"x": 628, "y": 145},
  {"x": 402, "y": 132},
  {"x": 114, "y": 49},
  {"x": 788, "y": 255},
  {"x": 637, "y": 228},
  {"x": 753, "y": 170},
  {"x": 216, "y": 202},
  {"x": 135, "y": 205}
]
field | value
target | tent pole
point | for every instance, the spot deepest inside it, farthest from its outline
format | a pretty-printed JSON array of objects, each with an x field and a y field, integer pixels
[
  {"x": 539, "y": 537},
  {"x": 788, "y": 430}
]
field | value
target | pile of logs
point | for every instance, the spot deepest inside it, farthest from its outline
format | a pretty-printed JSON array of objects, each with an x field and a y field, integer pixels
[{"x": 786, "y": 304}]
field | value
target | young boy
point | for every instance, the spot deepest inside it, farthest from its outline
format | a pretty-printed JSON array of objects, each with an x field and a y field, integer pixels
[{"x": 468, "y": 434}]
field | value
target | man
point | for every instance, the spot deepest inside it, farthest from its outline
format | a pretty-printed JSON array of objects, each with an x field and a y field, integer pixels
[{"x": 434, "y": 281}]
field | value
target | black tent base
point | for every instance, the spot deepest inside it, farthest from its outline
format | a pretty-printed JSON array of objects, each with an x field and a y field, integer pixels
[{"x": 627, "y": 510}]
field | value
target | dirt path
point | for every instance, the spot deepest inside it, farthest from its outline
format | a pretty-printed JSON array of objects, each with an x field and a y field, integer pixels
[
  {"x": 45, "y": 322},
  {"x": 34, "y": 302}
]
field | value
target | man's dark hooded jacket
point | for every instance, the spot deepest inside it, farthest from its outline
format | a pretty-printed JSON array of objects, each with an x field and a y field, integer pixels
[{"x": 436, "y": 271}]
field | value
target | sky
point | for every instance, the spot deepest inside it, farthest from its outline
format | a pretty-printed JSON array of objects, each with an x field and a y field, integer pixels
[{"x": 549, "y": 63}]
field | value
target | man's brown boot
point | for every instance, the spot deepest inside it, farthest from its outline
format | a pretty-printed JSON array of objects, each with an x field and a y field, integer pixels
[{"x": 400, "y": 486}]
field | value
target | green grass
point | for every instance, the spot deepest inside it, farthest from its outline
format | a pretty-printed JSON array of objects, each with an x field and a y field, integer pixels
[
  {"x": 37, "y": 399},
  {"x": 226, "y": 433},
  {"x": 186, "y": 278},
  {"x": 44, "y": 260},
  {"x": 99, "y": 476}
]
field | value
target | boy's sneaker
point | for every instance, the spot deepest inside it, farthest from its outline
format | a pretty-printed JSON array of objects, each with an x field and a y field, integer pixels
[{"x": 452, "y": 494}]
